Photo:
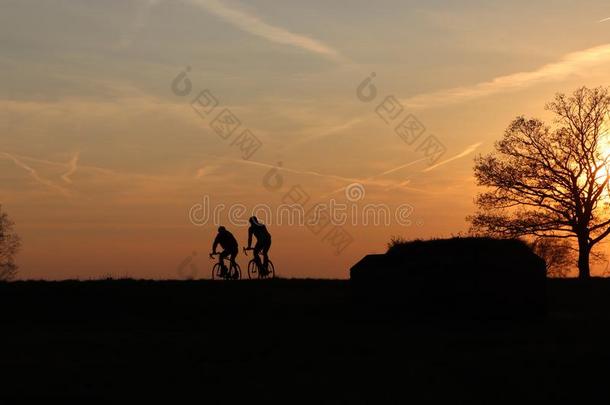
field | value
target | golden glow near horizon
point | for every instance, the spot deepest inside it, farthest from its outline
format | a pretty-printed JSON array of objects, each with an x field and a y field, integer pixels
[{"x": 102, "y": 158}]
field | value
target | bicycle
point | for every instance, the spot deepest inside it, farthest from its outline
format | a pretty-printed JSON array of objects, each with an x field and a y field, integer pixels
[
  {"x": 256, "y": 270},
  {"x": 232, "y": 273}
]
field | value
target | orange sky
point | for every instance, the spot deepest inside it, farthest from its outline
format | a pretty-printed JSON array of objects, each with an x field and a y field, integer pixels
[{"x": 101, "y": 160}]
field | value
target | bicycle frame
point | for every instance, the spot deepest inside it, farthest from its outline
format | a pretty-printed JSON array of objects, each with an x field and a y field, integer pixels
[
  {"x": 259, "y": 264},
  {"x": 219, "y": 260},
  {"x": 232, "y": 264}
]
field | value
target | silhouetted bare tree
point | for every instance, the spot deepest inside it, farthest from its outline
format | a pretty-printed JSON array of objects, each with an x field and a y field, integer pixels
[
  {"x": 551, "y": 182},
  {"x": 9, "y": 246}
]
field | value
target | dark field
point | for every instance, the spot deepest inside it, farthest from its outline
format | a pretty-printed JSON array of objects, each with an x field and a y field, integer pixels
[{"x": 290, "y": 341}]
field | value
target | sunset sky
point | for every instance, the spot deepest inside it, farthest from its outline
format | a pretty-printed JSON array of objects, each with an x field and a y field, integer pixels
[{"x": 101, "y": 160}]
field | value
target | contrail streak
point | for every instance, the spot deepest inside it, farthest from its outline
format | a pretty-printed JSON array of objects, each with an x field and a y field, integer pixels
[
  {"x": 72, "y": 167},
  {"x": 34, "y": 174},
  {"x": 286, "y": 169},
  {"x": 397, "y": 168},
  {"x": 325, "y": 134},
  {"x": 255, "y": 26},
  {"x": 466, "y": 152}
]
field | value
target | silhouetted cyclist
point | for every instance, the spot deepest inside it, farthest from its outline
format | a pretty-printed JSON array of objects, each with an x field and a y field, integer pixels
[
  {"x": 229, "y": 245},
  {"x": 263, "y": 241}
]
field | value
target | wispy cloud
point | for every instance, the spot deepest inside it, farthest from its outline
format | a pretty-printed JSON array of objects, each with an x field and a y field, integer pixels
[
  {"x": 205, "y": 171},
  {"x": 460, "y": 155},
  {"x": 569, "y": 64},
  {"x": 604, "y": 20},
  {"x": 138, "y": 23},
  {"x": 255, "y": 26}
]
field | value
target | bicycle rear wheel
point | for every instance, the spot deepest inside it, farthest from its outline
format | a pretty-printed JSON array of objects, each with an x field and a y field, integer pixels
[
  {"x": 270, "y": 270},
  {"x": 235, "y": 272}
]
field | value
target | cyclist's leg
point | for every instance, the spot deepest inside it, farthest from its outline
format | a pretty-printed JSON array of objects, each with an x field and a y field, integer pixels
[
  {"x": 233, "y": 255},
  {"x": 256, "y": 252},
  {"x": 265, "y": 249},
  {"x": 234, "y": 272},
  {"x": 221, "y": 259}
]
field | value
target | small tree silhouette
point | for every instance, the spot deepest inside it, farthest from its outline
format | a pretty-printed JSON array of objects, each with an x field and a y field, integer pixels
[
  {"x": 557, "y": 254},
  {"x": 9, "y": 246},
  {"x": 551, "y": 182}
]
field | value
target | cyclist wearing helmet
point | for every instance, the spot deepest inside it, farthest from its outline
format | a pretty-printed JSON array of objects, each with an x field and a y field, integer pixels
[
  {"x": 263, "y": 240},
  {"x": 229, "y": 245}
]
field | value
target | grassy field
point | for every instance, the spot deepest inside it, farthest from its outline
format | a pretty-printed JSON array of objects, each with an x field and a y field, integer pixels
[{"x": 289, "y": 341}]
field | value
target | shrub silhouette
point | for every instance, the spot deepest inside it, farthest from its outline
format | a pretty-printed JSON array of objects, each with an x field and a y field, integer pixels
[{"x": 471, "y": 276}]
